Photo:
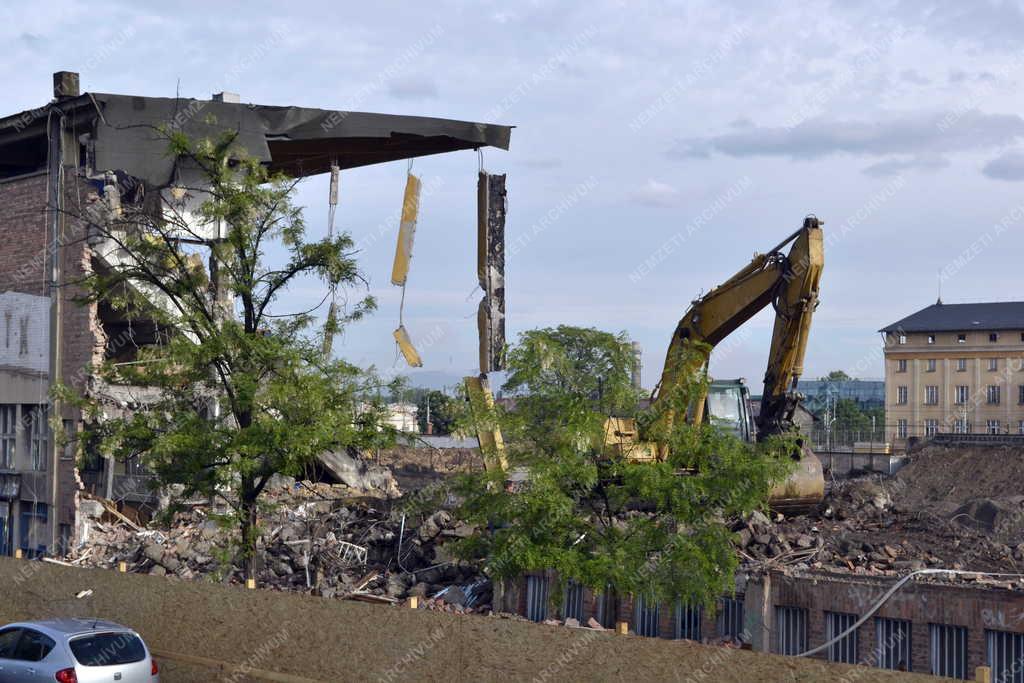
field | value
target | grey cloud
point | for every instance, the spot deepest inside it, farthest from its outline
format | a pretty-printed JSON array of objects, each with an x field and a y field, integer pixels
[
  {"x": 655, "y": 193},
  {"x": 915, "y": 77},
  {"x": 897, "y": 166},
  {"x": 1006, "y": 166},
  {"x": 930, "y": 134},
  {"x": 412, "y": 88}
]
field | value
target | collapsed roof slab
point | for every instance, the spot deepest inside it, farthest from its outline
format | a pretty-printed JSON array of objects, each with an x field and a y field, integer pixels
[{"x": 297, "y": 141}]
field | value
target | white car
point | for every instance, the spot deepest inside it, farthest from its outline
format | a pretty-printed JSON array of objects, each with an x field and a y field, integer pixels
[{"x": 74, "y": 651}]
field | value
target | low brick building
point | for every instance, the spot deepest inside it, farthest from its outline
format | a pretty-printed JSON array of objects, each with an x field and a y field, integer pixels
[{"x": 941, "y": 628}]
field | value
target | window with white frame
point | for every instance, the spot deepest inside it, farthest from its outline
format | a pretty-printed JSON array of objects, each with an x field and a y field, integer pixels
[
  {"x": 537, "y": 588},
  {"x": 572, "y": 602},
  {"x": 1003, "y": 654},
  {"x": 992, "y": 426},
  {"x": 931, "y": 365},
  {"x": 961, "y": 426},
  {"x": 931, "y": 338},
  {"x": 790, "y": 630},
  {"x": 844, "y": 649},
  {"x": 645, "y": 616},
  {"x": 730, "y": 617},
  {"x": 901, "y": 339},
  {"x": 931, "y": 395},
  {"x": 962, "y": 394},
  {"x": 901, "y": 365},
  {"x": 961, "y": 339},
  {"x": 901, "y": 429},
  {"x": 9, "y": 436},
  {"x": 993, "y": 364},
  {"x": 38, "y": 427},
  {"x": 931, "y": 427},
  {"x": 961, "y": 365},
  {"x": 687, "y": 621},
  {"x": 901, "y": 395},
  {"x": 948, "y": 655},
  {"x": 992, "y": 394},
  {"x": 1020, "y": 426},
  {"x": 892, "y": 644}
]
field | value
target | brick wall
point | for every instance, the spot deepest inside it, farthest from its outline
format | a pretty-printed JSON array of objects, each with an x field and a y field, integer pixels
[
  {"x": 975, "y": 607},
  {"x": 23, "y": 235}
]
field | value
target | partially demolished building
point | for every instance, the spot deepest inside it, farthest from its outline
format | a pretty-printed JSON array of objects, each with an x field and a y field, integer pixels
[{"x": 95, "y": 150}]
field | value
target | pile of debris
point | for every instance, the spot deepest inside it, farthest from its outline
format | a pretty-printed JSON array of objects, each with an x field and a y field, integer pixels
[
  {"x": 311, "y": 542},
  {"x": 941, "y": 511}
]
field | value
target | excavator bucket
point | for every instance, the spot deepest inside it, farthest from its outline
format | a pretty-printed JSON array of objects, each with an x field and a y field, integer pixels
[{"x": 804, "y": 489}]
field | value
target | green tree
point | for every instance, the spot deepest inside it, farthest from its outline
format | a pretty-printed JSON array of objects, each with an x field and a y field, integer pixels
[
  {"x": 242, "y": 390},
  {"x": 442, "y": 411},
  {"x": 836, "y": 376},
  {"x": 593, "y": 515}
]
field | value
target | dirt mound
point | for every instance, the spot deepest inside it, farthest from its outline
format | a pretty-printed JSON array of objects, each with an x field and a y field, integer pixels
[
  {"x": 941, "y": 474},
  {"x": 332, "y": 640}
]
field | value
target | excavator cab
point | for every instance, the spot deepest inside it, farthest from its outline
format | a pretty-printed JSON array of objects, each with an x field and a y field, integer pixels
[{"x": 728, "y": 407}]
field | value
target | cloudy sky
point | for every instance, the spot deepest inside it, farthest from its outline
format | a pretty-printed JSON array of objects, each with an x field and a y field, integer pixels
[{"x": 655, "y": 150}]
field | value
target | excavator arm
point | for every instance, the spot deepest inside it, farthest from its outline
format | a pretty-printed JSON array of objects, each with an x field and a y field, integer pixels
[{"x": 789, "y": 282}]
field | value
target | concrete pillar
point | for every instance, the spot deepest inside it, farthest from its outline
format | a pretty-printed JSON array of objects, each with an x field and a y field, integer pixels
[{"x": 758, "y": 613}]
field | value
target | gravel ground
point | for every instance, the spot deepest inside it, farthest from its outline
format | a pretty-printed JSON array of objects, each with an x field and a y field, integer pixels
[{"x": 333, "y": 640}]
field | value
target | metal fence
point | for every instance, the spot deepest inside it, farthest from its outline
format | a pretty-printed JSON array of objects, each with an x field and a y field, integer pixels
[
  {"x": 572, "y": 604},
  {"x": 730, "y": 617},
  {"x": 537, "y": 589},
  {"x": 687, "y": 621},
  {"x": 645, "y": 616}
]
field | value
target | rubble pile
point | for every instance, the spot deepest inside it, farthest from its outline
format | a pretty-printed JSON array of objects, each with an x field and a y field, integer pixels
[
  {"x": 933, "y": 514},
  {"x": 361, "y": 549}
]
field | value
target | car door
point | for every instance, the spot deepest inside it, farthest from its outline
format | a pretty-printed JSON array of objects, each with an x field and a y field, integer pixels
[
  {"x": 29, "y": 660},
  {"x": 8, "y": 642}
]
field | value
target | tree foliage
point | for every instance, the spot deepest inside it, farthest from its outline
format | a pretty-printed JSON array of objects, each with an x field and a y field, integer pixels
[
  {"x": 654, "y": 528},
  {"x": 239, "y": 390}
]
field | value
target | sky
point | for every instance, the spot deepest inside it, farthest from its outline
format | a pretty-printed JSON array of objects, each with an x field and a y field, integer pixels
[{"x": 656, "y": 148}]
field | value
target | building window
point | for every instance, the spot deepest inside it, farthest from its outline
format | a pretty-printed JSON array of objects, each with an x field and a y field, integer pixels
[
  {"x": 948, "y": 651},
  {"x": 1020, "y": 426},
  {"x": 901, "y": 365},
  {"x": 845, "y": 649},
  {"x": 992, "y": 426},
  {"x": 961, "y": 339},
  {"x": 931, "y": 338},
  {"x": 608, "y": 607},
  {"x": 9, "y": 435},
  {"x": 33, "y": 528},
  {"x": 993, "y": 364},
  {"x": 992, "y": 394},
  {"x": 39, "y": 436},
  {"x": 687, "y": 626},
  {"x": 931, "y": 365},
  {"x": 645, "y": 616},
  {"x": 1020, "y": 394},
  {"x": 993, "y": 337},
  {"x": 68, "y": 444},
  {"x": 537, "y": 598},
  {"x": 572, "y": 604},
  {"x": 1003, "y": 653},
  {"x": 961, "y": 426},
  {"x": 893, "y": 644},
  {"x": 730, "y": 617},
  {"x": 962, "y": 394},
  {"x": 961, "y": 365},
  {"x": 790, "y": 630},
  {"x": 901, "y": 395},
  {"x": 901, "y": 429},
  {"x": 931, "y": 395},
  {"x": 931, "y": 427},
  {"x": 901, "y": 339}
]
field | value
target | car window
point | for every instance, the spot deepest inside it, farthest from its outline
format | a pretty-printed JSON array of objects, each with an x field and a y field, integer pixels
[
  {"x": 33, "y": 646},
  {"x": 8, "y": 639},
  {"x": 108, "y": 649}
]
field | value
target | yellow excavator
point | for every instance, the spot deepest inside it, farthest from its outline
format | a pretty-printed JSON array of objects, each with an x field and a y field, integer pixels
[{"x": 787, "y": 281}]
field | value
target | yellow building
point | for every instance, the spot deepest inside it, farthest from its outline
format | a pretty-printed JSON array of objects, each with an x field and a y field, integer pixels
[{"x": 955, "y": 368}]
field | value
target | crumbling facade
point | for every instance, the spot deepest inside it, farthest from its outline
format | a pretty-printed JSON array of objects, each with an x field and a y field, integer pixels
[{"x": 89, "y": 154}]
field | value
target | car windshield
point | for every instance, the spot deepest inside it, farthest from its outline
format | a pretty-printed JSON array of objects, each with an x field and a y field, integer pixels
[{"x": 108, "y": 649}]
